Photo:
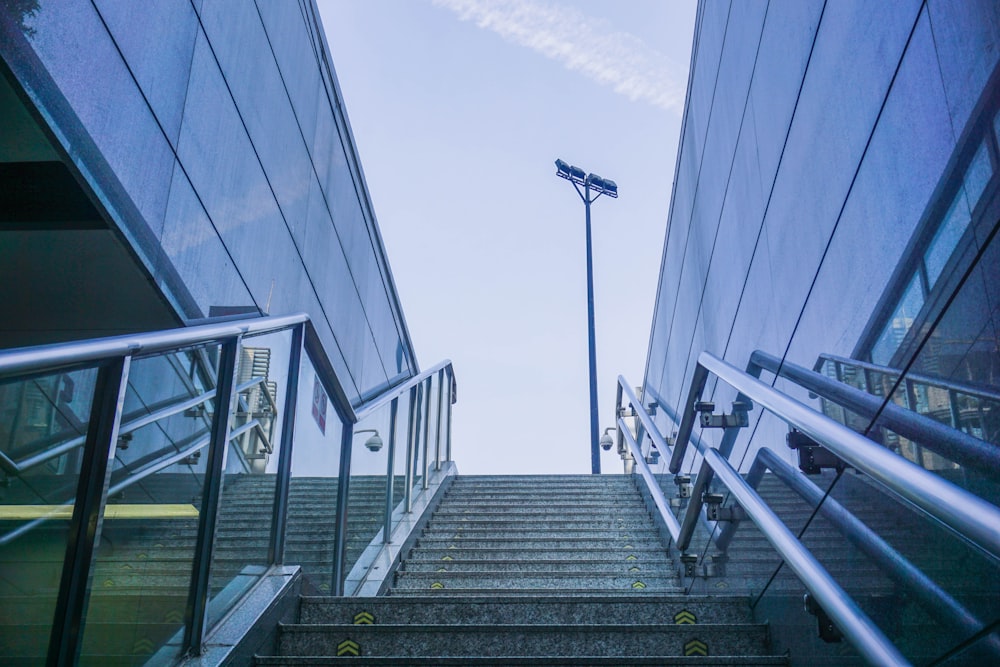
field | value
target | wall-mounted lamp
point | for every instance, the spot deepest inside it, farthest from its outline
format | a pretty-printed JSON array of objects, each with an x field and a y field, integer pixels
[{"x": 374, "y": 443}]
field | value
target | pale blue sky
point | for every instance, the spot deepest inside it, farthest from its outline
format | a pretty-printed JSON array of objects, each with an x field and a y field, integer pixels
[{"x": 459, "y": 109}]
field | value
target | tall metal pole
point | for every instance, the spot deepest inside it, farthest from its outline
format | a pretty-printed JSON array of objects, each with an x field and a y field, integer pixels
[
  {"x": 602, "y": 186},
  {"x": 595, "y": 448}
]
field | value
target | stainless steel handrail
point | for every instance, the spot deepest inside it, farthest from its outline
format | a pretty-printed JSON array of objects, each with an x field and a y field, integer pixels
[
  {"x": 659, "y": 499},
  {"x": 968, "y": 515},
  {"x": 50, "y": 357},
  {"x": 934, "y": 599},
  {"x": 950, "y": 443},
  {"x": 395, "y": 392},
  {"x": 940, "y": 383},
  {"x": 856, "y": 626}
]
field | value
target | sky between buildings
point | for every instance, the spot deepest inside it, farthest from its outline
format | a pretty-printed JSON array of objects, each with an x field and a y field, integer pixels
[{"x": 459, "y": 109}]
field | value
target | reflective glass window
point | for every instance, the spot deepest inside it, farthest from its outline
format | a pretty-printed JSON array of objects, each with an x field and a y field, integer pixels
[
  {"x": 899, "y": 324},
  {"x": 946, "y": 238},
  {"x": 978, "y": 175}
]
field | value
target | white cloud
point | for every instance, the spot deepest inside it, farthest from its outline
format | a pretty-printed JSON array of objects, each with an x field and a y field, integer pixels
[{"x": 581, "y": 43}]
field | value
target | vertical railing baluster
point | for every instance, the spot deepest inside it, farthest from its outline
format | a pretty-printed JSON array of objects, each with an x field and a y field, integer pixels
[
  {"x": 425, "y": 484},
  {"x": 196, "y": 616},
  {"x": 411, "y": 449},
  {"x": 390, "y": 472},
  {"x": 451, "y": 396},
  {"x": 343, "y": 489},
  {"x": 279, "y": 519},
  {"x": 440, "y": 411},
  {"x": 66, "y": 634}
]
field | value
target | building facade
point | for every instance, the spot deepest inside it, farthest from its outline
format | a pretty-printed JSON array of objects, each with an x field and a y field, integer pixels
[
  {"x": 835, "y": 196},
  {"x": 836, "y": 206},
  {"x": 172, "y": 162}
]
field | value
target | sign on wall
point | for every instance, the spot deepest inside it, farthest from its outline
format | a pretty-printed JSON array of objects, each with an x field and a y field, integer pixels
[{"x": 319, "y": 405}]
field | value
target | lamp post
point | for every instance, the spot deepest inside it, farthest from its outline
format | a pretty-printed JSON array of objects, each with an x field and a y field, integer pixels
[{"x": 600, "y": 186}]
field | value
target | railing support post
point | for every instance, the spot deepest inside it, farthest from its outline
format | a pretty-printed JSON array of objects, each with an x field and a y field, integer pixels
[
  {"x": 88, "y": 512},
  {"x": 390, "y": 473},
  {"x": 424, "y": 483},
  {"x": 343, "y": 489},
  {"x": 451, "y": 396},
  {"x": 280, "y": 517},
  {"x": 196, "y": 616},
  {"x": 411, "y": 449},
  {"x": 440, "y": 412}
]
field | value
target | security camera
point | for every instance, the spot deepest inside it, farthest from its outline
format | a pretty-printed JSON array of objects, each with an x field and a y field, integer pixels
[
  {"x": 374, "y": 443},
  {"x": 606, "y": 442}
]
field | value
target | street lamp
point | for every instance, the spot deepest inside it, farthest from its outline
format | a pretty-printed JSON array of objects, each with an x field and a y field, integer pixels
[{"x": 601, "y": 186}]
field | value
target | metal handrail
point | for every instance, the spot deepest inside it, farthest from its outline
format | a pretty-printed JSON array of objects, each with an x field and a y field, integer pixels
[
  {"x": 950, "y": 443},
  {"x": 852, "y": 622},
  {"x": 934, "y": 599},
  {"x": 395, "y": 392},
  {"x": 856, "y": 626},
  {"x": 968, "y": 515},
  {"x": 23, "y": 360},
  {"x": 659, "y": 499},
  {"x": 941, "y": 383}
]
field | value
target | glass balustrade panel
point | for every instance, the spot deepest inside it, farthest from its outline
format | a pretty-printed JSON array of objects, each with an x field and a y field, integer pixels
[
  {"x": 312, "y": 495},
  {"x": 368, "y": 484},
  {"x": 42, "y": 429},
  {"x": 246, "y": 508},
  {"x": 142, "y": 571}
]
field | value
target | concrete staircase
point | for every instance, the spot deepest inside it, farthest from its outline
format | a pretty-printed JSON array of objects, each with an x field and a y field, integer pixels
[{"x": 534, "y": 570}]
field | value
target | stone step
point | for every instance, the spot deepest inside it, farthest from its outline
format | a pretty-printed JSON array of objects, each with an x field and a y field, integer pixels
[
  {"x": 518, "y": 610},
  {"x": 505, "y": 660},
  {"x": 579, "y": 479},
  {"x": 596, "y": 512},
  {"x": 624, "y": 536},
  {"x": 522, "y": 640},
  {"x": 580, "y": 543},
  {"x": 580, "y": 566},
  {"x": 655, "y": 554},
  {"x": 610, "y": 581},
  {"x": 507, "y": 523}
]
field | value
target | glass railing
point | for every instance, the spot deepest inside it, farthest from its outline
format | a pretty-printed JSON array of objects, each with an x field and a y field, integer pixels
[
  {"x": 896, "y": 563},
  {"x": 150, "y": 481}
]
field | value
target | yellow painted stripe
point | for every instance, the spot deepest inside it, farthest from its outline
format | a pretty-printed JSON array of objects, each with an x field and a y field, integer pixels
[{"x": 150, "y": 511}]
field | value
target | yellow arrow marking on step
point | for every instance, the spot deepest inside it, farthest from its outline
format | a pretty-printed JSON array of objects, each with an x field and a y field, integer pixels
[
  {"x": 447, "y": 558},
  {"x": 628, "y": 546},
  {"x": 437, "y": 585},
  {"x": 631, "y": 557},
  {"x": 684, "y": 617},
  {"x": 442, "y": 569},
  {"x": 638, "y": 585},
  {"x": 633, "y": 569},
  {"x": 696, "y": 647},
  {"x": 174, "y": 617},
  {"x": 364, "y": 618},
  {"x": 143, "y": 646},
  {"x": 348, "y": 647}
]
